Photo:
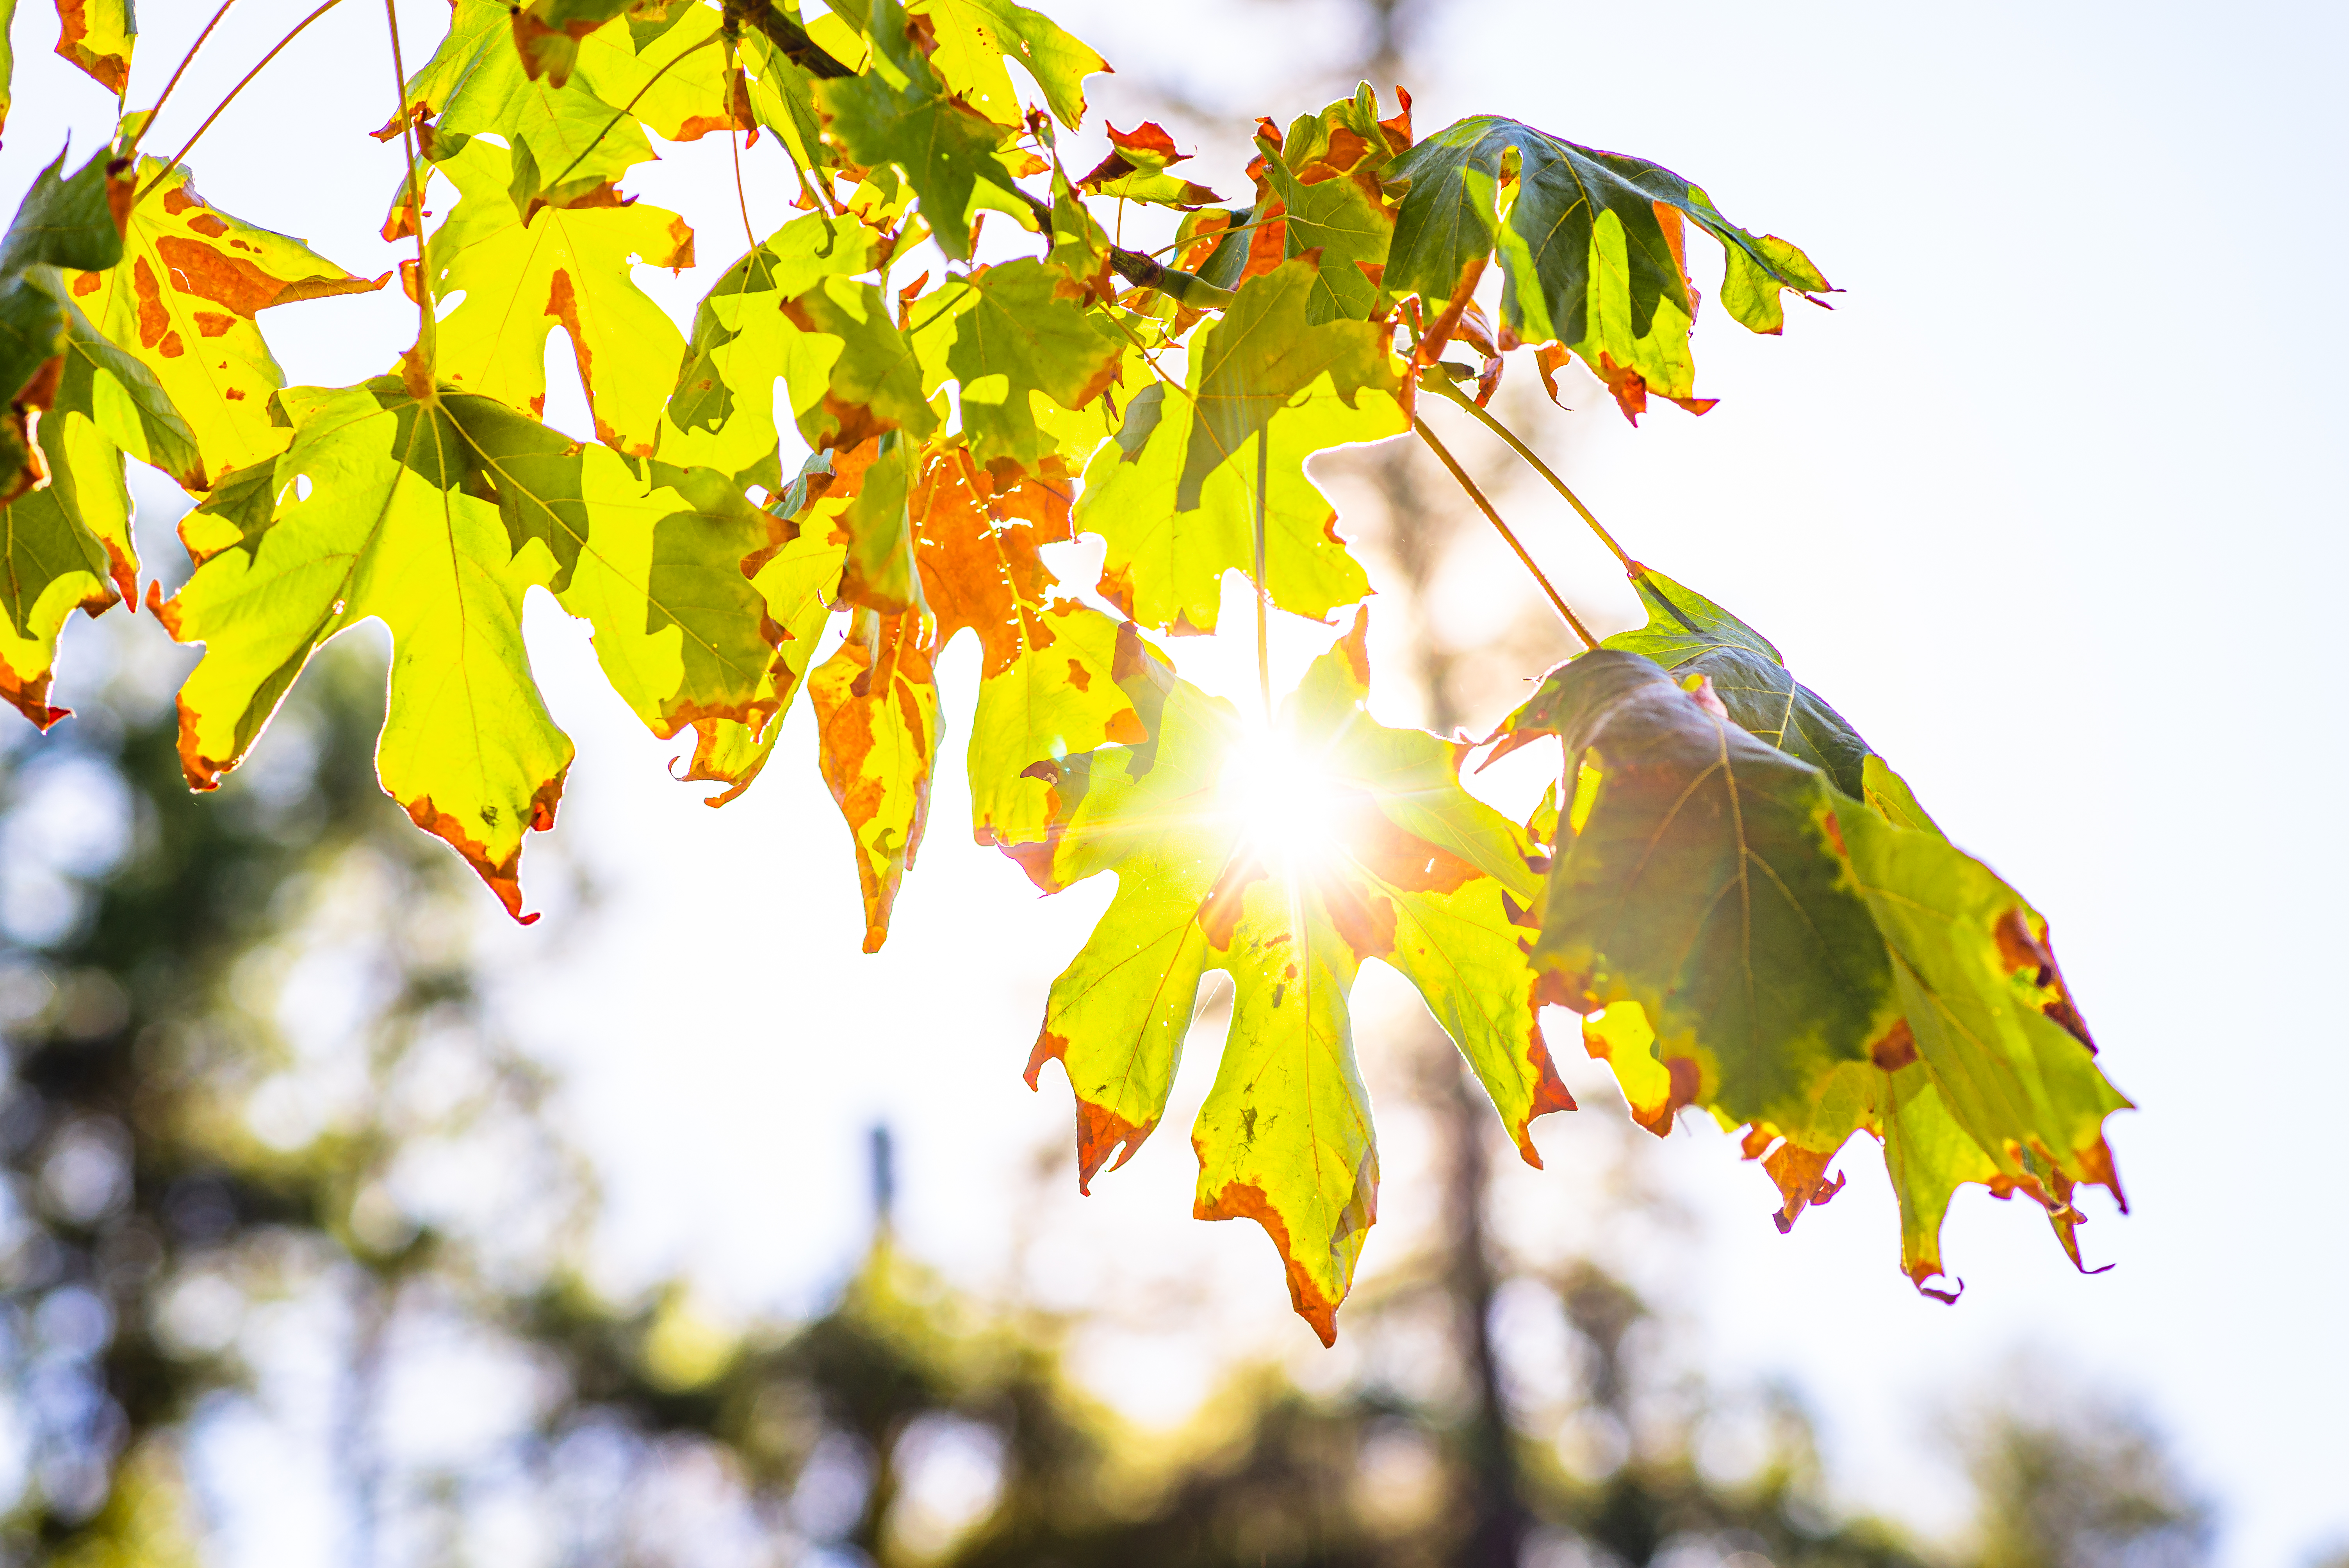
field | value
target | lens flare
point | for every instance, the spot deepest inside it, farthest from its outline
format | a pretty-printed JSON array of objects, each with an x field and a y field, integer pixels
[{"x": 1286, "y": 804}]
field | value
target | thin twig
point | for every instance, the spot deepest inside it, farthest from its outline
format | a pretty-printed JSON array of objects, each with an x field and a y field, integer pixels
[
  {"x": 742, "y": 201},
  {"x": 1486, "y": 507},
  {"x": 1441, "y": 384},
  {"x": 185, "y": 61},
  {"x": 625, "y": 108},
  {"x": 181, "y": 156},
  {"x": 426, "y": 335}
]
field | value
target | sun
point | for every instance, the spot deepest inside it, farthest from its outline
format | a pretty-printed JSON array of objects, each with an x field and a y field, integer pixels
[{"x": 1286, "y": 803}]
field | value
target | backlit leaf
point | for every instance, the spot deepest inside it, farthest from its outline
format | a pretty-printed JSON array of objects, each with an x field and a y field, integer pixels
[
  {"x": 1025, "y": 335},
  {"x": 1056, "y": 678},
  {"x": 722, "y": 412},
  {"x": 1283, "y": 865},
  {"x": 879, "y": 723},
  {"x": 1326, "y": 178},
  {"x": 1175, "y": 496},
  {"x": 974, "y": 35},
  {"x": 564, "y": 142},
  {"x": 434, "y": 516},
  {"x": 98, "y": 35},
  {"x": 874, "y": 381},
  {"x": 566, "y": 267},
  {"x": 1590, "y": 251},
  {"x": 1683, "y": 899},
  {"x": 183, "y": 299},
  {"x": 901, "y": 112}
]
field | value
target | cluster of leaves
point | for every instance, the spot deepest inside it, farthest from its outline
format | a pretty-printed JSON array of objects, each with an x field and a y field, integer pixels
[{"x": 1740, "y": 931}]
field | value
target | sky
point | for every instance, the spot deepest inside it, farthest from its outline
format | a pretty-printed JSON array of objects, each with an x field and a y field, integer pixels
[{"x": 2049, "y": 507}]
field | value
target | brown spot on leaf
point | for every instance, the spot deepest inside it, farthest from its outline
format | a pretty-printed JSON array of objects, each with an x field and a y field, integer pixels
[
  {"x": 1896, "y": 1050},
  {"x": 110, "y": 71},
  {"x": 154, "y": 320},
  {"x": 213, "y": 323},
  {"x": 1219, "y": 911},
  {"x": 88, "y": 283}
]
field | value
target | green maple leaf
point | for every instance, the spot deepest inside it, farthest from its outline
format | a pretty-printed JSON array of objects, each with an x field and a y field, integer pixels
[
  {"x": 565, "y": 141},
  {"x": 1591, "y": 251},
  {"x": 566, "y": 267},
  {"x": 872, "y": 383},
  {"x": 1024, "y": 331},
  {"x": 1325, "y": 179},
  {"x": 1705, "y": 884},
  {"x": 973, "y": 36},
  {"x": 65, "y": 521},
  {"x": 55, "y": 556},
  {"x": 434, "y": 515},
  {"x": 667, "y": 69},
  {"x": 722, "y": 411},
  {"x": 879, "y": 723},
  {"x": 899, "y": 111},
  {"x": 1206, "y": 883},
  {"x": 1983, "y": 1072},
  {"x": 183, "y": 300},
  {"x": 1689, "y": 633},
  {"x": 1174, "y": 498},
  {"x": 67, "y": 543}
]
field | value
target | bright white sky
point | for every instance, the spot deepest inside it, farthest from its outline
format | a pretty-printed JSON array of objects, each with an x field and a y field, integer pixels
[{"x": 2050, "y": 508}]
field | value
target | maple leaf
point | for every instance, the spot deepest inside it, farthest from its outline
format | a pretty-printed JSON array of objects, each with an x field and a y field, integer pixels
[
  {"x": 1057, "y": 678},
  {"x": 900, "y": 111},
  {"x": 97, "y": 36},
  {"x": 62, "y": 222},
  {"x": 67, "y": 543},
  {"x": 566, "y": 142},
  {"x": 642, "y": 63},
  {"x": 64, "y": 513},
  {"x": 1286, "y": 878},
  {"x": 1744, "y": 932},
  {"x": 182, "y": 300},
  {"x": 434, "y": 515},
  {"x": 800, "y": 581},
  {"x": 876, "y": 707},
  {"x": 1323, "y": 180},
  {"x": 1135, "y": 169},
  {"x": 1024, "y": 331},
  {"x": 547, "y": 32},
  {"x": 873, "y": 382},
  {"x": 973, "y": 36},
  {"x": 1174, "y": 498},
  {"x": 1590, "y": 252},
  {"x": 566, "y": 267},
  {"x": 722, "y": 411}
]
